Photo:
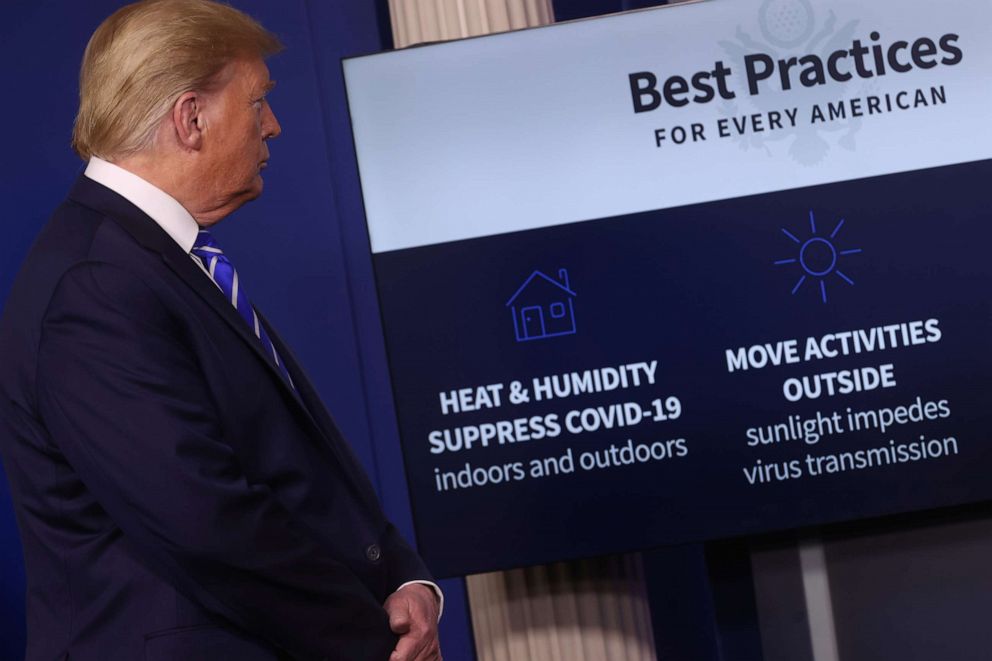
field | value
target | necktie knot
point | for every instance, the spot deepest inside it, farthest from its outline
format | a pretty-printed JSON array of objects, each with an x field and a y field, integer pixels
[{"x": 205, "y": 245}]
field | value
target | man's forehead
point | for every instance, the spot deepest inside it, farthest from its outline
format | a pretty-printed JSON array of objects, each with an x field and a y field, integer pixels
[
  {"x": 251, "y": 73},
  {"x": 257, "y": 73}
]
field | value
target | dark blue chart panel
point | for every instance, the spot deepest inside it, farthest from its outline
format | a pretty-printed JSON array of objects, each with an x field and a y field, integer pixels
[
  {"x": 766, "y": 362},
  {"x": 621, "y": 321}
]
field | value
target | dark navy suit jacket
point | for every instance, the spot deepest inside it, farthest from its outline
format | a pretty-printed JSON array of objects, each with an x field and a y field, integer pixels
[{"x": 176, "y": 498}]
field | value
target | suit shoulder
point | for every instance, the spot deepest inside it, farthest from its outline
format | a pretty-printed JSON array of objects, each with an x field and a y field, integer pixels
[
  {"x": 65, "y": 242},
  {"x": 91, "y": 288},
  {"x": 75, "y": 239}
]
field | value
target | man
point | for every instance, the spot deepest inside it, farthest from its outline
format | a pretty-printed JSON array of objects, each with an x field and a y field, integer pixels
[{"x": 181, "y": 492}]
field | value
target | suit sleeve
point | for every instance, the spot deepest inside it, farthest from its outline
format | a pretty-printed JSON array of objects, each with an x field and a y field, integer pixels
[{"x": 121, "y": 394}]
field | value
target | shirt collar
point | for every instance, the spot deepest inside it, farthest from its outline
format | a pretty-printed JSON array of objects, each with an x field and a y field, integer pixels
[{"x": 159, "y": 205}]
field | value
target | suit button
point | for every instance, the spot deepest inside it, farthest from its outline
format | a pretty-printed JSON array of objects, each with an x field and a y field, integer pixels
[{"x": 373, "y": 553}]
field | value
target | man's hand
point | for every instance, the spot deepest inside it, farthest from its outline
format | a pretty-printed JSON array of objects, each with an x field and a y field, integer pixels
[{"x": 413, "y": 611}]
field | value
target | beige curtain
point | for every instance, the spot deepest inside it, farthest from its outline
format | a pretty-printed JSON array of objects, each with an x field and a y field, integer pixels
[
  {"x": 589, "y": 610},
  {"x": 422, "y": 21}
]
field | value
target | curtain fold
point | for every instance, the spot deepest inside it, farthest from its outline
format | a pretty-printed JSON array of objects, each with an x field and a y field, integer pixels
[
  {"x": 585, "y": 610},
  {"x": 423, "y": 21}
]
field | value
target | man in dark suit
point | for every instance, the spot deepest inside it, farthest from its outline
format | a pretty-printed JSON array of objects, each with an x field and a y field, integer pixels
[{"x": 181, "y": 491}]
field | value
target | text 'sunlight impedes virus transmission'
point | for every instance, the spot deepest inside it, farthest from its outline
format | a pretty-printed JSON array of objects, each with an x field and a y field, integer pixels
[{"x": 818, "y": 257}]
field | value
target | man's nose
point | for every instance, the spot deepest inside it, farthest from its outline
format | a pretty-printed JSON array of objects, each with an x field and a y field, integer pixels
[{"x": 270, "y": 125}]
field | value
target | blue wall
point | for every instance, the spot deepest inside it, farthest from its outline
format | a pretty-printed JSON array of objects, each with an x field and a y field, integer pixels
[{"x": 302, "y": 246}]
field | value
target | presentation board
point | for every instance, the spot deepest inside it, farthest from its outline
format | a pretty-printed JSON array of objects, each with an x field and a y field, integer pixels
[{"x": 707, "y": 270}]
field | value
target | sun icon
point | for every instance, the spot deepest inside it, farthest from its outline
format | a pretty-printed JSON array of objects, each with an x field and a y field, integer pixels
[{"x": 818, "y": 257}]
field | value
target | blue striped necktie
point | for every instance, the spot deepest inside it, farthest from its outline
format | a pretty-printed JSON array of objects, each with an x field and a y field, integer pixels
[{"x": 223, "y": 274}]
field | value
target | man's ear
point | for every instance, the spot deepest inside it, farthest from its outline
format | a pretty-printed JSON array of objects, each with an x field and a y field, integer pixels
[{"x": 187, "y": 119}]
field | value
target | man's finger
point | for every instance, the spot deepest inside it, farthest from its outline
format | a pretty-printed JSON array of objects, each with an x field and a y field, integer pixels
[
  {"x": 413, "y": 614},
  {"x": 408, "y": 648},
  {"x": 431, "y": 652},
  {"x": 400, "y": 619},
  {"x": 400, "y": 613}
]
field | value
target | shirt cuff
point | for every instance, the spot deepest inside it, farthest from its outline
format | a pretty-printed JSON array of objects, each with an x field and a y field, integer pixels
[{"x": 437, "y": 593}]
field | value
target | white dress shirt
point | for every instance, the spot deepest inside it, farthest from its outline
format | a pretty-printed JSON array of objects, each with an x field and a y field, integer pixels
[{"x": 159, "y": 205}]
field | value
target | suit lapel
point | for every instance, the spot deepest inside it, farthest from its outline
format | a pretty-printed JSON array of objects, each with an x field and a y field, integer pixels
[
  {"x": 307, "y": 394},
  {"x": 319, "y": 416},
  {"x": 184, "y": 266},
  {"x": 148, "y": 233}
]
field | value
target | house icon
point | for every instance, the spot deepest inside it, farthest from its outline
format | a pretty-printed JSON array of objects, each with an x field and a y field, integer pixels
[{"x": 542, "y": 307}]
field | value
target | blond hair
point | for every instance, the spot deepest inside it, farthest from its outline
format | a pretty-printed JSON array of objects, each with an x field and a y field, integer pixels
[{"x": 144, "y": 57}]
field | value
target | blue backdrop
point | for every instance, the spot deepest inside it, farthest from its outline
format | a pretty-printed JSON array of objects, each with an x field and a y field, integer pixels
[{"x": 302, "y": 246}]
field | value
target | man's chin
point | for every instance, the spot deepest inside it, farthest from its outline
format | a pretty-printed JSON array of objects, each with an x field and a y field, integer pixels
[
  {"x": 256, "y": 188},
  {"x": 243, "y": 197}
]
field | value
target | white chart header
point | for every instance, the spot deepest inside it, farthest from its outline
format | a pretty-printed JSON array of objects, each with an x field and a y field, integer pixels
[{"x": 663, "y": 108}]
